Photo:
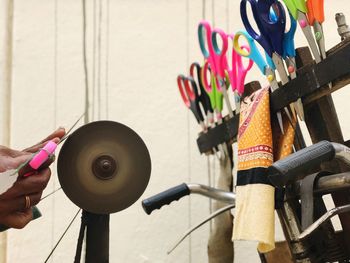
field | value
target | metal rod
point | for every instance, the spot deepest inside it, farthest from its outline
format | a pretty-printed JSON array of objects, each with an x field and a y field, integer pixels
[
  {"x": 227, "y": 197},
  {"x": 210, "y": 217},
  {"x": 327, "y": 216}
]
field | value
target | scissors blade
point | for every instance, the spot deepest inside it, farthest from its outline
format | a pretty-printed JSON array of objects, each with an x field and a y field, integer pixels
[
  {"x": 298, "y": 105},
  {"x": 309, "y": 36},
  {"x": 320, "y": 39},
  {"x": 277, "y": 60},
  {"x": 71, "y": 128}
]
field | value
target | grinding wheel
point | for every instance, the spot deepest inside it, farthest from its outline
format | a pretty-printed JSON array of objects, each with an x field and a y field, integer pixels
[{"x": 104, "y": 167}]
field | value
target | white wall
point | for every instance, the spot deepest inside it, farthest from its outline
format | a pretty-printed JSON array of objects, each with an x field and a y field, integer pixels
[{"x": 150, "y": 42}]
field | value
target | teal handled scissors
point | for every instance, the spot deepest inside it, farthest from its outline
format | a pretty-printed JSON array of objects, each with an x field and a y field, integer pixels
[
  {"x": 298, "y": 10},
  {"x": 265, "y": 65},
  {"x": 214, "y": 58}
]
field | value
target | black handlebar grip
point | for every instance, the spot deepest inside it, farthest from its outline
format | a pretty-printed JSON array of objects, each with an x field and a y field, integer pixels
[
  {"x": 287, "y": 169},
  {"x": 165, "y": 198}
]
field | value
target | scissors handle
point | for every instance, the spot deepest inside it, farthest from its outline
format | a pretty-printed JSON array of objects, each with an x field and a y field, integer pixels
[
  {"x": 288, "y": 41},
  {"x": 195, "y": 70},
  {"x": 253, "y": 52},
  {"x": 315, "y": 11},
  {"x": 184, "y": 93},
  {"x": 296, "y": 6},
  {"x": 258, "y": 37},
  {"x": 204, "y": 34},
  {"x": 220, "y": 51},
  {"x": 241, "y": 69},
  {"x": 216, "y": 98},
  {"x": 189, "y": 95}
]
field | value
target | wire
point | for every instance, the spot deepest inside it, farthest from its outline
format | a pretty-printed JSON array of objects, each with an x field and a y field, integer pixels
[
  {"x": 93, "y": 59},
  {"x": 188, "y": 125},
  {"x": 99, "y": 61},
  {"x": 53, "y": 210},
  {"x": 86, "y": 116},
  {"x": 64, "y": 233},
  {"x": 50, "y": 193},
  {"x": 107, "y": 60}
]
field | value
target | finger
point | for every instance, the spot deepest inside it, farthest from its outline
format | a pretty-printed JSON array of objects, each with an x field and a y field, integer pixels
[
  {"x": 28, "y": 170},
  {"x": 18, "y": 219},
  {"x": 8, "y": 163},
  {"x": 19, "y": 204},
  {"x": 55, "y": 136},
  {"x": 5, "y": 151},
  {"x": 27, "y": 185}
]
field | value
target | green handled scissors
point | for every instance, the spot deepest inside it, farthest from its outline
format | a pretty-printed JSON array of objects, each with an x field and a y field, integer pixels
[{"x": 298, "y": 10}]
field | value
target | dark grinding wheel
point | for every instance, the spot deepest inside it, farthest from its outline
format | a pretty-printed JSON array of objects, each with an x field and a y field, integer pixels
[{"x": 104, "y": 167}]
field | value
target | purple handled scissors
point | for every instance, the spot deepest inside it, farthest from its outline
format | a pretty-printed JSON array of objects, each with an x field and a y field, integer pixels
[{"x": 271, "y": 29}]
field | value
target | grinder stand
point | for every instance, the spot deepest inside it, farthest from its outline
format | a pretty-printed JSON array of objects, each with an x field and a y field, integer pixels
[{"x": 96, "y": 227}]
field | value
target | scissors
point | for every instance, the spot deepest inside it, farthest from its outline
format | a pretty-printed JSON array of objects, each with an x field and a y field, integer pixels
[
  {"x": 215, "y": 97},
  {"x": 214, "y": 58},
  {"x": 195, "y": 73},
  {"x": 265, "y": 65},
  {"x": 271, "y": 29},
  {"x": 190, "y": 96},
  {"x": 236, "y": 72},
  {"x": 298, "y": 10},
  {"x": 315, "y": 15},
  {"x": 289, "y": 56}
]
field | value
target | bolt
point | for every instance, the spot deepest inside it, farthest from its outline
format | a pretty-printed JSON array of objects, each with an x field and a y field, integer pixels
[{"x": 343, "y": 28}]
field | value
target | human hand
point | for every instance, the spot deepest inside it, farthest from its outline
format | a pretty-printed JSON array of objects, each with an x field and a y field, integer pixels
[
  {"x": 56, "y": 136},
  {"x": 16, "y": 202}
]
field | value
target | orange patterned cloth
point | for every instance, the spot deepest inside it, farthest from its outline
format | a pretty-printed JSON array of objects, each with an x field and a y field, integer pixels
[
  {"x": 254, "y": 134},
  {"x": 260, "y": 143}
]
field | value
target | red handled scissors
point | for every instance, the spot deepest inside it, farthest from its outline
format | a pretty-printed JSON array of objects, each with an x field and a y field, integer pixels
[{"x": 190, "y": 96}]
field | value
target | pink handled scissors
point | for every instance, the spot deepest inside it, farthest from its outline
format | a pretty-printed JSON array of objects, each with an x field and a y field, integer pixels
[
  {"x": 236, "y": 71},
  {"x": 215, "y": 58}
]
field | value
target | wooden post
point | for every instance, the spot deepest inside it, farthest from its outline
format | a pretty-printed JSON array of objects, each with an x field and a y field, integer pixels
[{"x": 322, "y": 122}]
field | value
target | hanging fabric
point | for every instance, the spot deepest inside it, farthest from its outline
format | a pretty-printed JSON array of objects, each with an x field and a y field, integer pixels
[{"x": 259, "y": 145}]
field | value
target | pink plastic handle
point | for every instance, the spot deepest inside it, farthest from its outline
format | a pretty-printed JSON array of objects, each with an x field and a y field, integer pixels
[
  {"x": 239, "y": 71},
  {"x": 210, "y": 56},
  {"x": 204, "y": 76},
  {"x": 43, "y": 155},
  {"x": 220, "y": 52}
]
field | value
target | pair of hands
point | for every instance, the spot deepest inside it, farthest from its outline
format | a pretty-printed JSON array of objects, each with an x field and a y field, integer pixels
[{"x": 12, "y": 202}]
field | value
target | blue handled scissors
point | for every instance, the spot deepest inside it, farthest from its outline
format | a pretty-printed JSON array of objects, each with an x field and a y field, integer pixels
[
  {"x": 271, "y": 29},
  {"x": 266, "y": 66}
]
